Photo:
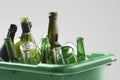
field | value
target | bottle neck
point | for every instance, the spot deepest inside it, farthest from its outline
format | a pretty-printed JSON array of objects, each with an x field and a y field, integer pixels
[
  {"x": 52, "y": 30},
  {"x": 11, "y": 33},
  {"x": 27, "y": 37},
  {"x": 26, "y": 33}
]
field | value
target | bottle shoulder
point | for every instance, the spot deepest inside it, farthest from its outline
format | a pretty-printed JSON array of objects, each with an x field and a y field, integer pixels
[{"x": 17, "y": 40}]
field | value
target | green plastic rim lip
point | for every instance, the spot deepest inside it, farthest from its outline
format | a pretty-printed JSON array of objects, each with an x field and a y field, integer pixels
[{"x": 102, "y": 59}]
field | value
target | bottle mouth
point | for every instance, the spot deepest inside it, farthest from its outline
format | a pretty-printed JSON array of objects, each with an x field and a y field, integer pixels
[
  {"x": 13, "y": 27},
  {"x": 25, "y": 25},
  {"x": 80, "y": 39},
  {"x": 52, "y": 14}
]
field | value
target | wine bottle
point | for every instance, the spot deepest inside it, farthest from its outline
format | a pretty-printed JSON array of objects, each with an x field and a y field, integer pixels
[
  {"x": 27, "y": 49},
  {"x": 11, "y": 33},
  {"x": 25, "y": 36},
  {"x": 52, "y": 35},
  {"x": 80, "y": 49}
]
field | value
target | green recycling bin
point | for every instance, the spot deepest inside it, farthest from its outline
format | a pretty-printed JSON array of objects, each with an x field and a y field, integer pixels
[{"x": 90, "y": 69}]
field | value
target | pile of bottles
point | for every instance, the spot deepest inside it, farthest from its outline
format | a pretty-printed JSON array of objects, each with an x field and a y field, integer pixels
[{"x": 49, "y": 51}]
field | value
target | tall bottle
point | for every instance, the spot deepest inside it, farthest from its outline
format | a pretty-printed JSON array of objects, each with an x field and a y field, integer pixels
[
  {"x": 11, "y": 33},
  {"x": 80, "y": 49},
  {"x": 52, "y": 35},
  {"x": 25, "y": 36}
]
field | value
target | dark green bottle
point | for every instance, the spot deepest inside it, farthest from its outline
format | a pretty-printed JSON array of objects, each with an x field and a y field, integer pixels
[
  {"x": 10, "y": 49},
  {"x": 26, "y": 36},
  {"x": 52, "y": 35},
  {"x": 11, "y": 33},
  {"x": 80, "y": 49}
]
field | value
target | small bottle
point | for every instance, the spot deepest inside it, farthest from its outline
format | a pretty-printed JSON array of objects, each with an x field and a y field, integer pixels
[
  {"x": 25, "y": 36},
  {"x": 58, "y": 56},
  {"x": 80, "y": 49},
  {"x": 11, "y": 33},
  {"x": 10, "y": 49},
  {"x": 69, "y": 55},
  {"x": 52, "y": 36}
]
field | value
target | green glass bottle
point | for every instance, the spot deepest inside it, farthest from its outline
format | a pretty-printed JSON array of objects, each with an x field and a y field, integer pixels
[
  {"x": 80, "y": 49},
  {"x": 11, "y": 33},
  {"x": 26, "y": 36},
  {"x": 45, "y": 49},
  {"x": 52, "y": 35},
  {"x": 69, "y": 55},
  {"x": 10, "y": 49}
]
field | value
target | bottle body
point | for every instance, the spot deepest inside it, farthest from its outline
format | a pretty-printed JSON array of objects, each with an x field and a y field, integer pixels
[
  {"x": 24, "y": 37},
  {"x": 30, "y": 53},
  {"x": 80, "y": 49},
  {"x": 69, "y": 55},
  {"x": 58, "y": 56},
  {"x": 45, "y": 49},
  {"x": 10, "y": 49}
]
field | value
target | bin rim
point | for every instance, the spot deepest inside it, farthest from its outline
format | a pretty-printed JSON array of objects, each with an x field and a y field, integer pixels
[{"x": 102, "y": 59}]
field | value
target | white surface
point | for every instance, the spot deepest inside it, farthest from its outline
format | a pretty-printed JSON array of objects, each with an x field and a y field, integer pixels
[{"x": 98, "y": 21}]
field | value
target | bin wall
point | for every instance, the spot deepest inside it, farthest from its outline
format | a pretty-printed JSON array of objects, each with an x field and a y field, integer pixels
[{"x": 93, "y": 74}]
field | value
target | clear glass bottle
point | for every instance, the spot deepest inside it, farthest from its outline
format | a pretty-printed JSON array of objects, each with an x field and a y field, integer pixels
[
  {"x": 30, "y": 53},
  {"x": 58, "y": 56}
]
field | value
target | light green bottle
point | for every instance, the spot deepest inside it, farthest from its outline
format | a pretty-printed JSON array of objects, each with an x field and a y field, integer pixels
[
  {"x": 52, "y": 36},
  {"x": 80, "y": 49},
  {"x": 26, "y": 36}
]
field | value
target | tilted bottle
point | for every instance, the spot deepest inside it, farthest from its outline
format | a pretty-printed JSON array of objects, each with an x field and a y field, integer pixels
[
  {"x": 25, "y": 36},
  {"x": 11, "y": 33},
  {"x": 45, "y": 49},
  {"x": 69, "y": 54},
  {"x": 52, "y": 35},
  {"x": 10, "y": 49},
  {"x": 80, "y": 49}
]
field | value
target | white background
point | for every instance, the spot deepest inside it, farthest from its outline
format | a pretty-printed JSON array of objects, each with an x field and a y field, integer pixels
[{"x": 97, "y": 21}]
